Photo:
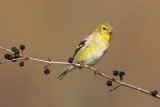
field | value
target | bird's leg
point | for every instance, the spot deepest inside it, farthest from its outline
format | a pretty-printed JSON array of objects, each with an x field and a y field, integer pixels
[{"x": 81, "y": 65}]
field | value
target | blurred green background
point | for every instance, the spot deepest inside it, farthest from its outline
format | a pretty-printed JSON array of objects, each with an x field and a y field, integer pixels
[{"x": 53, "y": 28}]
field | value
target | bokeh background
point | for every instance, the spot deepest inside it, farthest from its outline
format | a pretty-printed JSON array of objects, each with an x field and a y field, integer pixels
[{"x": 53, "y": 28}]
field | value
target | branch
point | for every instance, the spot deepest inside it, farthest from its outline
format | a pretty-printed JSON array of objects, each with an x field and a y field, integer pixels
[{"x": 95, "y": 70}]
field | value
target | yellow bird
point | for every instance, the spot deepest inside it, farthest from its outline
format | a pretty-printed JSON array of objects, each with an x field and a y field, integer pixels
[{"x": 91, "y": 49}]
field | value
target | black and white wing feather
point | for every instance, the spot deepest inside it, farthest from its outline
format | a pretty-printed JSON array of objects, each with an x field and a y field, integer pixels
[{"x": 82, "y": 43}]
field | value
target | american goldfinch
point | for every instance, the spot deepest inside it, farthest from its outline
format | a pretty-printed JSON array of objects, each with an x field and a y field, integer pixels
[{"x": 91, "y": 49}]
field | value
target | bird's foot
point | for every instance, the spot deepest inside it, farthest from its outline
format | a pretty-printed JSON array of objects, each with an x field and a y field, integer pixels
[{"x": 81, "y": 65}]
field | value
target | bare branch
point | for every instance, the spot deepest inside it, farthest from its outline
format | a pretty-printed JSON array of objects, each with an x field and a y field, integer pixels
[
  {"x": 120, "y": 83},
  {"x": 49, "y": 62}
]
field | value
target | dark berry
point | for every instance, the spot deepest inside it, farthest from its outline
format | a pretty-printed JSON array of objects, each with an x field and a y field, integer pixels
[
  {"x": 70, "y": 59},
  {"x": 21, "y": 64},
  {"x": 16, "y": 51},
  {"x": 8, "y": 56},
  {"x": 154, "y": 93},
  {"x": 121, "y": 74},
  {"x": 17, "y": 55},
  {"x": 109, "y": 83},
  {"x": 115, "y": 72},
  {"x": 13, "y": 49},
  {"x": 22, "y": 47},
  {"x": 46, "y": 71}
]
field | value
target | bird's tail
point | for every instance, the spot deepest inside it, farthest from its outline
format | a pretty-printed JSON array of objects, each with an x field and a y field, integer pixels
[{"x": 68, "y": 69}]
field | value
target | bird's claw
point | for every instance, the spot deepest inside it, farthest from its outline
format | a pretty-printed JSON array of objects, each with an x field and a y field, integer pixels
[{"x": 81, "y": 65}]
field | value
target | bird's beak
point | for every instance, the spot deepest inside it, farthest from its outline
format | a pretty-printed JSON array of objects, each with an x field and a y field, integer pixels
[{"x": 110, "y": 32}]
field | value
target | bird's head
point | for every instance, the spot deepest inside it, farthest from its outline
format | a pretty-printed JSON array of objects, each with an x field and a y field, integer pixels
[{"x": 104, "y": 30}]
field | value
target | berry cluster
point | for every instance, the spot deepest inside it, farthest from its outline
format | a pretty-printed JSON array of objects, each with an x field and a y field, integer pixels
[
  {"x": 15, "y": 54},
  {"x": 121, "y": 74},
  {"x": 116, "y": 73}
]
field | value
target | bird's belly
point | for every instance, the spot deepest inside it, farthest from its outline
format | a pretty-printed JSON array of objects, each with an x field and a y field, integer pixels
[
  {"x": 93, "y": 59},
  {"x": 90, "y": 56}
]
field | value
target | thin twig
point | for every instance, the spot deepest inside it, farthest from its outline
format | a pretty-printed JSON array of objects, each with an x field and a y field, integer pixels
[{"x": 7, "y": 50}]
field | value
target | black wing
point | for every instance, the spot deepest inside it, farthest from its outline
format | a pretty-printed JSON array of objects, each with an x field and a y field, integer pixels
[{"x": 82, "y": 43}]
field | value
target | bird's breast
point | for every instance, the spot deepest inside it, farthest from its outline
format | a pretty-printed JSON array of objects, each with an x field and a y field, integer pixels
[{"x": 91, "y": 55}]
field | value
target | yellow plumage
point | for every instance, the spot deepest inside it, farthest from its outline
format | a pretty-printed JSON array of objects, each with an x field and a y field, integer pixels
[{"x": 91, "y": 50}]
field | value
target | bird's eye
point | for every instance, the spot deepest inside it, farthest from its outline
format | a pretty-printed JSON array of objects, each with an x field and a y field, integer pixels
[{"x": 104, "y": 28}]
